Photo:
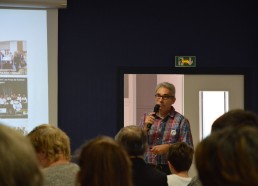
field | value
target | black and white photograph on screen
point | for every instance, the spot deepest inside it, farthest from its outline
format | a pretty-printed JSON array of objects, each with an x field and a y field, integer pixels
[
  {"x": 13, "y": 58},
  {"x": 13, "y": 98}
]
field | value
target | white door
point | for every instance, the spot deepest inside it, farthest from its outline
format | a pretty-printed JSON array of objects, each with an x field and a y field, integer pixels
[{"x": 193, "y": 84}]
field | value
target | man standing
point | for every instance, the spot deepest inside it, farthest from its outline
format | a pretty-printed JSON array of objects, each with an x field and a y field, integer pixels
[{"x": 164, "y": 127}]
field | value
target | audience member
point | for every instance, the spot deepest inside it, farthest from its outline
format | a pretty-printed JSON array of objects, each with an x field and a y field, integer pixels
[
  {"x": 180, "y": 157},
  {"x": 19, "y": 166},
  {"x": 52, "y": 147},
  {"x": 134, "y": 140},
  {"x": 235, "y": 117},
  {"x": 164, "y": 127},
  {"x": 229, "y": 157},
  {"x": 103, "y": 162}
]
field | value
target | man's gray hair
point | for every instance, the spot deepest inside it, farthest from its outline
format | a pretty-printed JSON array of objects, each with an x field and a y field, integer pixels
[{"x": 167, "y": 85}]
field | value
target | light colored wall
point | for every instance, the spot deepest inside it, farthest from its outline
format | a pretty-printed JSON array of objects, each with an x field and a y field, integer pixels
[
  {"x": 195, "y": 83},
  {"x": 145, "y": 92}
]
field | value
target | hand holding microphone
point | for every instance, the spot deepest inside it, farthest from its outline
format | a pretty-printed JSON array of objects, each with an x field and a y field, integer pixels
[{"x": 155, "y": 110}]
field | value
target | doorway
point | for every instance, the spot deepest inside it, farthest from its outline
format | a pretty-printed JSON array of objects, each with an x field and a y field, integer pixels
[{"x": 188, "y": 87}]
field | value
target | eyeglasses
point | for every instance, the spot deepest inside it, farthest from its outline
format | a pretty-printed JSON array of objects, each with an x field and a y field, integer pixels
[{"x": 164, "y": 97}]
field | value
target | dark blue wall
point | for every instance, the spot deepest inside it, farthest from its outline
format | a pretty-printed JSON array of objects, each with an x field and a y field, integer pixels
[{"x": 95, "y": 40}]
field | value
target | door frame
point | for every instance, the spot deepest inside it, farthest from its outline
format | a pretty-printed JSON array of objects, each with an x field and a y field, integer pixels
[{"x": 247, "y": 72}]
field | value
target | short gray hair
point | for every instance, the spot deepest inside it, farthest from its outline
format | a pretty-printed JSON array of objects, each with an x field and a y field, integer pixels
[
  {"x": 167, "y": 85},
  {"x": 133, "y": 139}
]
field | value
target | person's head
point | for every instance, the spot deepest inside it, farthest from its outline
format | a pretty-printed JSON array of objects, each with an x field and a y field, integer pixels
[
  {"x": 133, "y": 139},
  {"x": 235, "y": 117},
  {"x": 19, "y": 166},
  {"x": 180, "y": 157},
  {"x": 165, "y": 95},
  {"x": 103, "y": 162},
  {"x": 51, "y": 144},
  {"x": 229, "y": 157}
]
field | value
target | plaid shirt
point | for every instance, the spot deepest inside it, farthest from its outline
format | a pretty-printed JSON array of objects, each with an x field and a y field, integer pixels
[{"x": 173, "y": 128}]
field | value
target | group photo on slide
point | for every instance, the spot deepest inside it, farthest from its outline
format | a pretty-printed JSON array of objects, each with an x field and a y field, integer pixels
[
  {"x": 13, "y": 58},
  {"x": 13, "y": 98}
]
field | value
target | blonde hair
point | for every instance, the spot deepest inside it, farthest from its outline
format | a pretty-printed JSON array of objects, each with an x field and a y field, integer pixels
[{"x": 51, "y": 141}]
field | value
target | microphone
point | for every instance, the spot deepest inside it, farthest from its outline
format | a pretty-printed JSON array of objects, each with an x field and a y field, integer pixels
[{"x": 156, "y": 109}]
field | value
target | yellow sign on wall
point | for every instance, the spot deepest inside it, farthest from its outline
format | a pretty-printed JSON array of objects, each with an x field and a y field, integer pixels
[{"x": 185, "y": 61}]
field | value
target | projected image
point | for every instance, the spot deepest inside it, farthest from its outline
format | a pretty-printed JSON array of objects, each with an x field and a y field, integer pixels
[
  {"x": 13, "y": 58},
  {"x": 13, "y": 98},
  {"x": 24, "y": 65}
]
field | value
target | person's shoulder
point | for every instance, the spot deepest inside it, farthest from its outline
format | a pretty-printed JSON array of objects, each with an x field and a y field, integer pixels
[
  {"x": 178, "y": 116},
  {"x": 69, "y": 167},
  {"x": 195, "y": 181},
  {"x": 141, "y": 168},
  {"x": 150, "y": 176},
  {"x": 175, "y": 179},
  {"x": 73, "y": 167},
  {"x": 157, "y": 173}
]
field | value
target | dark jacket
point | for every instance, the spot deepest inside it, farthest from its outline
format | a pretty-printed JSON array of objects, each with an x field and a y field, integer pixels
[{"x": 145, "y": 175}]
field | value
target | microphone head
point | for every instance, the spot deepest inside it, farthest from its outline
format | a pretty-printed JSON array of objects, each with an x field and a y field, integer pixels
[{"x": 156, "y": 108}]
